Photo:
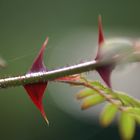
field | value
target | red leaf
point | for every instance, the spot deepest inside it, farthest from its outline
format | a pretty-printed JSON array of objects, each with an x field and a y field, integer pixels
[
  {"x": 70, "y": 78},
  {"x": 105, "y": 71},
  {"x": 36, "y": 91}
]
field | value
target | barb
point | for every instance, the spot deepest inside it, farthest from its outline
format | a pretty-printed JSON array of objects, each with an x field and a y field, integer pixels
[
  {"x": 66, "y": 71},
  {"x": 48, "y": 76}
]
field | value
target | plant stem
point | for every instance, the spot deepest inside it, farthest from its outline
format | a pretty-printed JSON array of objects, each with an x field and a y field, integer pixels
[
  {"x": 62, "y": 72},
  {"x": 48, "y": 76},
  {"x": 107, "y": 97}
]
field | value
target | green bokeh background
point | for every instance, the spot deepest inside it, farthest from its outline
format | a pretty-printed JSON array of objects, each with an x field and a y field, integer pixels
[{"x": 24, "y": 25}]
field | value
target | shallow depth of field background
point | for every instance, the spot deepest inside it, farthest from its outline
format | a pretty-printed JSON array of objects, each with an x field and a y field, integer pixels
[{"x": 72, "y": 29}]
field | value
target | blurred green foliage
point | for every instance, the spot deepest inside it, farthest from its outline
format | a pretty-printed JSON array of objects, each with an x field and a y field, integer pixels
[{"x": 24, "y": 24}]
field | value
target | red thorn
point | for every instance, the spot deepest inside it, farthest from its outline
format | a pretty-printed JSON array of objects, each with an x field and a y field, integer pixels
[
  {"x": 36, "y": 91},
  {"x": 100, "y": 36},
  {"x": 38, "y": 64},
  {"x": 105, "y": 71},
  {"x": 100, "y": 31}
]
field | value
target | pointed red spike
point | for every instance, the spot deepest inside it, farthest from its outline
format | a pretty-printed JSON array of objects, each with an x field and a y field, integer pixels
[
  {"x": 38, "y": 64},
  {"x": 36, "y": 91},
  {"x": 100, "y": 31},
  {"x": 100, "y": 36},
  {"x": 105, "y": 71}
]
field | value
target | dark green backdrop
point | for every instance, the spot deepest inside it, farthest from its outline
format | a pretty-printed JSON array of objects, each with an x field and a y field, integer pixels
[{"x": 71, "y": 26}]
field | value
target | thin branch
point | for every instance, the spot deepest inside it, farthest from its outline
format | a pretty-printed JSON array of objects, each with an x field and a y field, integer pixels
[
  {"x": 48, "y": 76},
  {"x": 66, "y": 71},
  {"x": 107, "y": 97}
]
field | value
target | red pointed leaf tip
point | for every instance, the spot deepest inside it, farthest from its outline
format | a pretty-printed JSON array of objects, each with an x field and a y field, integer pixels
[
  {"x": 36, "y": 91},
  {"x": 70, "y": 78},
  {"x": 105, "y": 71}
]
